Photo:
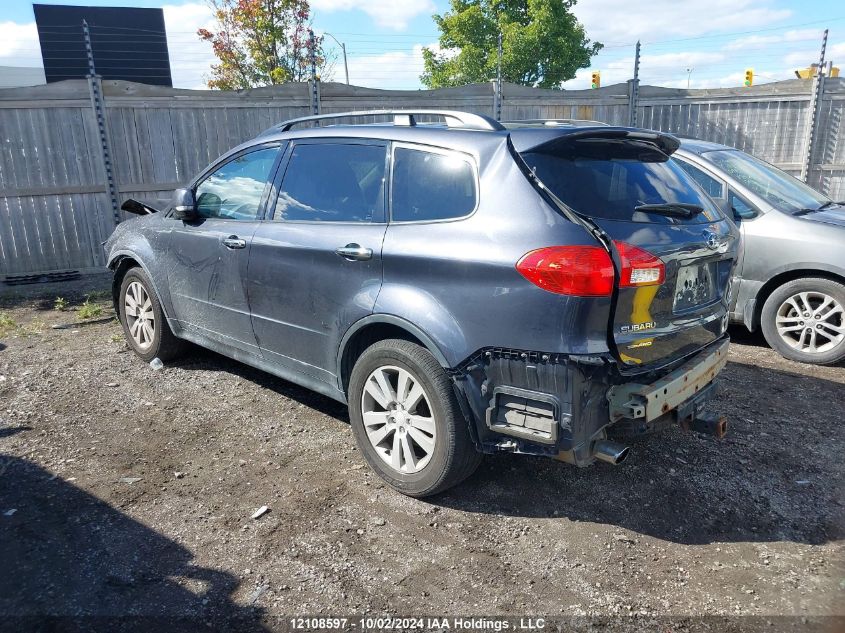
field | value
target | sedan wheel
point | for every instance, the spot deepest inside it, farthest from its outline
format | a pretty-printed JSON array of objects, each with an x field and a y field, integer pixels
[
  {"x": 140, "y": 317},
  {"x": 811, "y": 322},
  {"x": 398, "y": 419},
  {"x": 804, "y": 320}
]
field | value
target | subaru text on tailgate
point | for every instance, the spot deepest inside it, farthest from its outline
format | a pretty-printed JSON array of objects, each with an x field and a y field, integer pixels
[{"x": 464, "y": 287}]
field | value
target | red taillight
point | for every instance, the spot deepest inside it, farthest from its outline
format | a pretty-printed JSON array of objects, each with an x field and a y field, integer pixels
[
  {"x": 587, "y": 271},
  {"x": 583, "y": 271},
  {"x": 639, "y": 267}
]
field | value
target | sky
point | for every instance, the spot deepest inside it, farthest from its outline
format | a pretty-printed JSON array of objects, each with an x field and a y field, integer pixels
[{"x": 700, "y": 43}]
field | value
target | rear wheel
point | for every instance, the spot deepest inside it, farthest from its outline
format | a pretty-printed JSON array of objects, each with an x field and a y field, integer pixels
[
  {"x": 407, "y": 421},
  {"x": 144, "y": 325},
  {"x": 804, "y": 320}
]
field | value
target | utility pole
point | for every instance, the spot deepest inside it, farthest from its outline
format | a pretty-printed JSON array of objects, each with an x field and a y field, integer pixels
[
  {"x": 818, "y": 87},
  {"x": 634, "y": 88},
  {"x": 315, "y": 84},
  {"x": 95, "y": 87},
  {"x": 497, "y": 105},
  {"x": 342, "y": 48}
]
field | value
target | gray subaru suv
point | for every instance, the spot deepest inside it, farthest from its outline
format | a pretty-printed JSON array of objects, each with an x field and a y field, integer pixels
[{"x": 464, "y": 287}]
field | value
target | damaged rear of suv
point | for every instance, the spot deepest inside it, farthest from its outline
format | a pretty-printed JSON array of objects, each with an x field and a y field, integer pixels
[
  {"x": 466, "y": 288},
  {"x": 654, "y": 282},
  {"x": 584, "y": 302}
]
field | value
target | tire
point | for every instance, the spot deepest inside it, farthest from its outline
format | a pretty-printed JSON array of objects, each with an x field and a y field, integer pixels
[
  {"x": 803, "y": 320},
  {"x": 157, "y": 339},
  {"x": 434, "y": 418}
]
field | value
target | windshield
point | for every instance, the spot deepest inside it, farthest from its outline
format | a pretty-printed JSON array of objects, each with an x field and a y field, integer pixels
[
  {"x": 778, "y": 188},
  {"x": 609, "y": 179}
]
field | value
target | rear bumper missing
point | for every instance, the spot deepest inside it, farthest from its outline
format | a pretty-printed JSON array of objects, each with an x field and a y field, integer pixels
[
  {"x": 562, "y": 406},
  {"x": 649, "y": 401}
]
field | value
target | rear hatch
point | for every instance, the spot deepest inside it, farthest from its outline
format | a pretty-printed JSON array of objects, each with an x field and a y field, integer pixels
[{"x": 673, "y": 248}]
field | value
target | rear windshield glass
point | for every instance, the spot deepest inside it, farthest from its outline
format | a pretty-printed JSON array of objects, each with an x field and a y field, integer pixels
[{"x": 609, "y": 179}]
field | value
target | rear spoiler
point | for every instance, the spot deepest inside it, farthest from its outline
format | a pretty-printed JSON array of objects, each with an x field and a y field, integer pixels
[
  {"x": 666, "y": 143},
  {"x": 138, "y": 208}
]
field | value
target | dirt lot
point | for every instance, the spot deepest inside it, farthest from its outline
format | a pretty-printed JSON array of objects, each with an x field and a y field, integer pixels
[{"x": 132, "y": 492}]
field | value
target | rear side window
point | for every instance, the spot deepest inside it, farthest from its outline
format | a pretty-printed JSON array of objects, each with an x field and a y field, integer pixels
[
  {"x": 333, "y": 182},
  {"x": 431, "y": 186},
  {"x": 608, "y": 179}
]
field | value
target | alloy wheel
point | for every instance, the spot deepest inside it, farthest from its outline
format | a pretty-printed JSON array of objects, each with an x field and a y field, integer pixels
[
  {"x": 398, "y": 419},
  {"x": 811, "y": 322},
  {"x": 140, "y": 317}
]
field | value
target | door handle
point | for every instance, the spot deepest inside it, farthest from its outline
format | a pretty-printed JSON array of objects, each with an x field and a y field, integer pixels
[
  {"x": 233, "y": 241},
  {"x": 355, "y": 252}
]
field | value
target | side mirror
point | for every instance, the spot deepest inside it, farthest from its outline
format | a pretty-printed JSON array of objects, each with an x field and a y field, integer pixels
[
  {"x": 744, "y": 213},
  {"x": 184, "y": 205},
  {"x": 737, "y": 208},
  {"x": 725, "y": 207}
]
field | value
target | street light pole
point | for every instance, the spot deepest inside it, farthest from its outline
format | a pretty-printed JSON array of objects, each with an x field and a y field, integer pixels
[{"x": 342, "y": 48}]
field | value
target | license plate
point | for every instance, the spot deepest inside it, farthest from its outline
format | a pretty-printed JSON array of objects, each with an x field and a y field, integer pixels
[{"x": 696, "y": 286}]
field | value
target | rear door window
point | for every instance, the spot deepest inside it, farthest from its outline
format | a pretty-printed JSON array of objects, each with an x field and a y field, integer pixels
[
  {"x": 610, "y": 178},
  {"x": 333, "y": 182},
  {"x": 430, "y": 186}
]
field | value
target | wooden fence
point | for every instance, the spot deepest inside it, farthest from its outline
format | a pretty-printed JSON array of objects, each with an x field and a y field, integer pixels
[{"x": 56, "y": 207}]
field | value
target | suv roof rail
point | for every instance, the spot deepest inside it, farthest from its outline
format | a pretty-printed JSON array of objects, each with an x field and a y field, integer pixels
[
  {"x": 554, "y": 122},
  {"x": 453, "y": 118}
]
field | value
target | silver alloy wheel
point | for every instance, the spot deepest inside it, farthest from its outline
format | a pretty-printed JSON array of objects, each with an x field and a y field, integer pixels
[
  {"x": 811, "y": 322},
  {"x": 398, "y": 419},
  {"x": 140, "y": 318}
]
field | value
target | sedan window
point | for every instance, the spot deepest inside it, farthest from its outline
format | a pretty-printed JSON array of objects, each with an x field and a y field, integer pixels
[
  {"x": 742, "y": 210},
  {"x": 712, "y": 186},
  {"x": 234, "y": 191},
  {"x": 779, "y": 189}
]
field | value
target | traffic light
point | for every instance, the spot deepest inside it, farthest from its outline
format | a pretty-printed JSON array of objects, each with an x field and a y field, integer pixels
[
  {"x": 749, "y": 77},
  {"x": 596, "y": 82}
]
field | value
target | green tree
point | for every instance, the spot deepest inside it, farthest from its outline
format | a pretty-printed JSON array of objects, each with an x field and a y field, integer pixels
[
  {"x": 543, "y": 43},
  {"x": 260, "y": 43}
]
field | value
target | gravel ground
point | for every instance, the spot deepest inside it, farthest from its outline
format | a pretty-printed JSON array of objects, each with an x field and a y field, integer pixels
[{"x": 125, "y": 490}]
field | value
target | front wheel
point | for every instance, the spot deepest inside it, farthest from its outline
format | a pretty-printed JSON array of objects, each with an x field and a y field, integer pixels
[
  {"x": 804, "y": 320},
  {"x": 144, "y": 325},
  {"x": 407, "y": 421}
]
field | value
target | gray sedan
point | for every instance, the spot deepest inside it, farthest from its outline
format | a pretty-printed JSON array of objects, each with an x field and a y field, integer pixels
[{"x": 790, "y": 280}]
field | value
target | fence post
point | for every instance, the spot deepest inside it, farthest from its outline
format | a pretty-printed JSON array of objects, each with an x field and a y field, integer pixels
[
  {"x": 634, "y": 89},
  {"x": 314, "y": 82},
  {"x": 829, "y": 139},
  {"x": 95, "y": 88},
  {"x": 818, "y": 88},
  {"x": 497, "y": 90}
]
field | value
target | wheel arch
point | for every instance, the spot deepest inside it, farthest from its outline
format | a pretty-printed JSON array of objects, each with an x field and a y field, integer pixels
[
  {"x": 121, "y": 263},
  {"x": 784, "y": 277},
  {"x": 372, "y": 329}
]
